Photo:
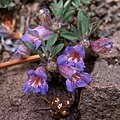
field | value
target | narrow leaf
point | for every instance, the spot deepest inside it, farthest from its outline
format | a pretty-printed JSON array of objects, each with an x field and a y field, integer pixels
[
  {"x": 30, "y": 45},
  {"x": 83, "y": 23},
  {"x": 57, "y": 49},
  {"x": 52, "y": 40},
  {"x": 67, "y": 3},
  {"x": 69, "y": 35},
  {"x": 67, "y": 15},
  {"x": 45, "y": 51},
  {"x": 60, "y": 4}
]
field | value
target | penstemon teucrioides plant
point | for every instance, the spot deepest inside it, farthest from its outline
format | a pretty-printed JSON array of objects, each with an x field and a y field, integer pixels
[{"x": 61, "y": 42}]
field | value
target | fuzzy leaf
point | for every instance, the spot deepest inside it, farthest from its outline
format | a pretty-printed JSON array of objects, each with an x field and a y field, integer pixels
[
  {"x": 77, "y": 3},
  {"x": 67, "y": 15},
  {"x": 69, "y": 35},
  {"x": 30, "y": 45},
  {"x": 87, "y": 1},
  {"x": 83, "y": 23},
  {"x": 67, "y": 3},
  {"x": 57, "y": 49},
  {"x": 52, "y": 40},
  {"x": 59, "y": 13},
  {"x": 60, "y": 4},
  {"x": 45, "y": 51}
]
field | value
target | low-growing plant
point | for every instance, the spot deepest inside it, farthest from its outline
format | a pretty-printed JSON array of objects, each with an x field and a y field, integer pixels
[{"x": 61, "y": 41}]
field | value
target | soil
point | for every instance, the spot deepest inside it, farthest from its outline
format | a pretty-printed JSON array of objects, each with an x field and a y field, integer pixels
[{"x": 15, "y": 105}]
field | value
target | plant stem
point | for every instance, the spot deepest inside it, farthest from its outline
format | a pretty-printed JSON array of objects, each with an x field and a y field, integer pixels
[{"x": 20, "y": 61}]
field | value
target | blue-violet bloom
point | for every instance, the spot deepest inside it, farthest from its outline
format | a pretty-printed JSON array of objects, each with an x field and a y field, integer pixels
[
  {"x": 75, "y": 77},
  {"x": 37, "y": 81},
  {"x": 22, "y": 51},
  {"x": 37, "y": 34},
  {"x": 73, "y": 56},
  {"x": 102, "y": 45}
]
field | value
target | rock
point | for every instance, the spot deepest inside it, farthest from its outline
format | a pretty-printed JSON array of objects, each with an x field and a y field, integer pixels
[
  {"x": 116, "y": 39},
  {"x": 101, "y": 99}
]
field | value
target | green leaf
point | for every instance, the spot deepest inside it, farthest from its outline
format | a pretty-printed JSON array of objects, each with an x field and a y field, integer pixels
[
  {"x": 60, "y": 4},
  {"x": 59, "y": 13},
  {"x": 30, "y": 45},
  {"x": 43, "y": 42},
  {"x": 74, "y": 30},
  {"x": 87, "y": 1},
  {"x": 45, "y": 51},
  {"x": 57, "y": 49},
  {"x": 83, "y": 23},
  {"x": 69, "y": 35},
  {"x": 52, "y": 40},
  {"x": 67, "y": 15},
  {"x": 77, "y": 3},
  {"x": 67, "y": 3},
  {"x": 55, "y": 1},
  {"x": 6, "y": 3},
  {"x": 52, "y": 9}
]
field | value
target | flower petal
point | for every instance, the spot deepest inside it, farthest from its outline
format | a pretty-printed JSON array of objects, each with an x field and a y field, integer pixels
[
  {"x": 40, "y": 69},
  {"x": 70, "y": 85},
  {"x": 85, "y": 79},
  {"x": 69, "y": 50},
  {"x": 27, "y": 37},
  {"x": 67, "y": 71},
  {"x": 27, "y": 87},
  {"x": 42, "y": 75},
  {"x": 62, "y": 59},
  {"x": 31, "y": 73},
  {"x": 80, "y": 49},
  {"x": 37, "y": 44},
  {"x": 42, "y": 31},
  {"x": 36, "y": 89},
  {"x": 44, "y": 88}
]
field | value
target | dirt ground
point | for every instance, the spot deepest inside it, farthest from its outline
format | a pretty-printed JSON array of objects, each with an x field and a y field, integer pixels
[{"x": 15, "y": 105}]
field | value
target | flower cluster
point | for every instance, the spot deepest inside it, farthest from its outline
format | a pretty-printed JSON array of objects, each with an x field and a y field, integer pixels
[
  {"x": 71, "y": 66},
  {"x": 37, "y": 81},
  {"x": 60, "y": 107}
]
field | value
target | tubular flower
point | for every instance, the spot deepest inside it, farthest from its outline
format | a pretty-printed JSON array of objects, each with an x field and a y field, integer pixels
[
  {"x": 79, "y": 79},
  {"x": 73, "y": 56},
  {"x": 43, "y": 32},
  {"x": 37, "y": 34},
  {"x": 22, "y": 51},
  {"x": 75, "y": 77},
  {"x": 32, "y": 39},
  {"x": 37, "y": 81},
  {"x": 102, "y": 45}
]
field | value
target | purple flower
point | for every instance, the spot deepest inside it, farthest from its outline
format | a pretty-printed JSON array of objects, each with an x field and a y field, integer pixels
[
  {"x": 22, "y": 51},
  {"x": 102, "y": 45},
  {"x": 75, "y": 77},
  {"x": 79, "y": 79},
  {"x": 32, "y": 39},
  {"x": 73, "y": 56},
  {"x": 37, "y": 34},
  {"x": 42, "y": 32},
  {"x": 37, "y": 81}
]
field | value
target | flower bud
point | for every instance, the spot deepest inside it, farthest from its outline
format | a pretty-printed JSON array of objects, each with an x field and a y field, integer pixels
[
  {"x": 22, "y": 51},
  {"x": 44, "y": 16},
  {"x": 85, "y": 43},
  {"x": 52, "y": 66},
  {"x": 56, "y": 25},
  {"x": 102, "y": 45}
]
